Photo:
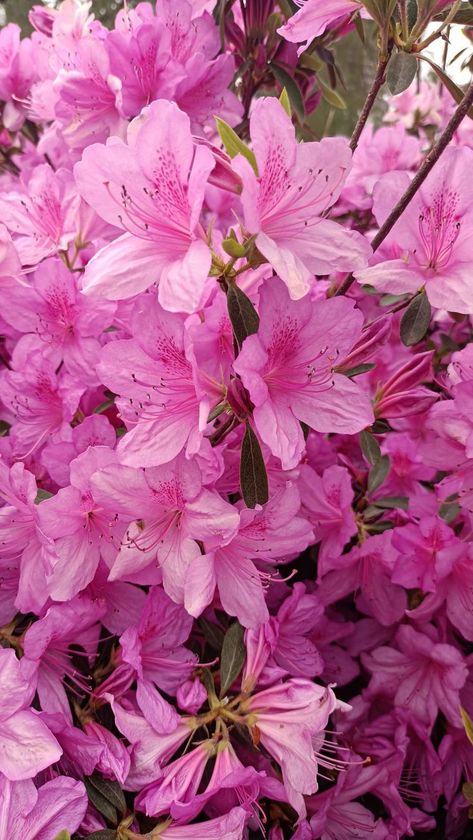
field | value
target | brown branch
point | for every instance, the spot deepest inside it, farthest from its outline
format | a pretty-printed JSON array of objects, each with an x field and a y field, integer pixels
[
  {"x": 378, "y": 82},
  {"x": 427, "y": 165}
]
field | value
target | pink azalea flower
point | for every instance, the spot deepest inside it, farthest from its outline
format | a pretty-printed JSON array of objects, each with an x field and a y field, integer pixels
[
  {"x": 288, "y": 716},
  {"x": 154, "y": 380},
  {"x": 313, "y": 18},
  {"x": 27, "y": 744},
  {"x": 178, "y": 784},
  {"x": 30, "y": 813},
  {"x": 172, "y": 511},
  {"x": 369, "y": 571},
  {"x": 10, "y": 265},
  {"x": 231, "y": 826},
  {"x": 289, "y": 370},
  {"x": 455, "y": 590},
  {"x": 420, "y": 674},
  {"x": 431, "y": 240},
  {"x": 327, "y": 499},
  {"x": 18, "y": 71},
  {"x": 284, "y": 206},
  {"x": 265, "y": 536},
  {"x": 65, "y": 324},
  {"x": 41, "y": 218},
  {"x": 41, "y": 401},
  {"x": 79, "y": 530},
  {"x": 149, "y": 749},
  {"x": 427, "y": 553},
  {"x": 57, "y": 457},
  {"x": 47, "y": 654},
  {"x": 153, "y": 188},
  {"x": 21, "y": 542}
]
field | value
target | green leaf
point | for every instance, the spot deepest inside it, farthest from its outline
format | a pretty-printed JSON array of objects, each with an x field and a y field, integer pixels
[
  {"x": 4, "y": 428},
  {"x": 359, "y": 369},
  {"x": 63, "y": 835},
  {"x": 42, "y": 495},
  {"x": 358, "y": 21},
  {"x": 242, "y": 313},
  {"x": 110, "y": 790},
  {"x": 331, "y": 96},
  {"x": 253, "y": 477},
  {"x": 103, "y": 834},
  {"x": 292, "y": 89},
  {"x": 213, "y": 634},
  {"x": 452, "y": 88},
  {"x": 370, "y": 447},
  {"x": 402, "y": 70},
  {"x": 463, "y": 15},
  {"x": 233, "y": 656},
  {"x": 392, "y": 502},
  {"x": 284, "y": 100},
  {"x": 104, "y": 406},
  {"x": 449, "y": 511},
  {"x": 416, "y": 319},
  {"x": 233, "y": 145},
  {"x": 378, "y": 473},
  {"x": 467, "y": 723}
]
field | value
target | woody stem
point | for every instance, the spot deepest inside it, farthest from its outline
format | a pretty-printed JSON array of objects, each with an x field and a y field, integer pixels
[
  {"x": 370, "y": 99},
  {"x": 429, "y": 162}
]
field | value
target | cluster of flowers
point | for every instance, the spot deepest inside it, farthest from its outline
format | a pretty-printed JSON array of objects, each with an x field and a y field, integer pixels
[{"x": 236, "y": 541}]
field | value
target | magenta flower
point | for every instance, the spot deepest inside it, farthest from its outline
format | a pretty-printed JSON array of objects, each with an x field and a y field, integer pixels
[
  {"x": 263, "y": 536},
  {"x": 427, "y": 553},
  {"x": 60, "y": 321},
  {"x": 28, "y": 746},
  {"x": 284, "y": 206},
  {"x": 47, "y": 654},
  {"x": 79, "y": 530},
  {"x": 431, "y": 241},
  {"x": 178, "y": 784},
  {"x": 313, "y": 18},
  {"x": 171, "y": 511},
  {"x": 420, "y": 674},
  {"x": 154, "y": 380},
  {"x": 153, "y": 188},
  {"x": 327, "y": 499},
  {"x": 30, "y": 813},
  {"x": 41, "y": 218},
  {"x": 289, "y": 370}
]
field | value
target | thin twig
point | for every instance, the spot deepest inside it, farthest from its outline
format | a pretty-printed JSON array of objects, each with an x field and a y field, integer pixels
[
  {"x": 429, "y": 162},
  {"x": 370, "y": 100}
]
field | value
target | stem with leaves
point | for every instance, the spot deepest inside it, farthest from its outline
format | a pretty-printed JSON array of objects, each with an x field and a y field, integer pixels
[
  {"x": 429, "y": 162},
  {"x": 378, "y": 82}
]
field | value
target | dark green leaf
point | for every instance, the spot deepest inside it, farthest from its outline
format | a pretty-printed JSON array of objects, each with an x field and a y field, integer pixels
[
  {"x": 379, "y": 527},
  {"x": 233, "y": 656},
  {"x": 402, "y": 70},
  {"x": 233, "y": 248},
  {"x": 233, "y": 145},
  {"x": 370, "y": 447},
  {"x": 359, "y": 369},
  {"x": 42, "y": 495},
  {"x": 292, "y": 90},
  {"x": 213, "y": 634},
  {"x": 242, "y": 313},
  {"x": 358, "y": 21},
  {"x": 207, "y": 681},
  {"x": 110, "y": 790},
  {"x": 331, "y": 96},
  {"x": 416, "y": 319},
  {"x": 4, "y": 428},
  {"x": 449, "y": 511},
  {"x": 103, "y": 805},
  {"x": 253, "y": 477},
  {"x": 392, "y": 502},
  {"x": 104, "y": 406},
  {"x": 467, "y": 723},
  {"x": 412, "y": 11},
  {"x": 380, "y": 427},
  {"x": 103, "y": 834},
  {"x": 378, "y": 473}
]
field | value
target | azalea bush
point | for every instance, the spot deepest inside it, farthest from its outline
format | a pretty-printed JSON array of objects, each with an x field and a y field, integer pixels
[{"x": 236, "y": 451}]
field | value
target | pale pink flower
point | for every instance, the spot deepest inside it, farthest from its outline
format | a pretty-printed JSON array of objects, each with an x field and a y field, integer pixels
[
  {"x": 153, "y": 188},
  {"x": 27, "y": 744},
  {"x": 314, "y": 17},
  {"x": 431, "y": 242},
  {"x": 289, "y": 370},
  {"x": 171, "y": 512},
  {"x": 31, "y": 813},
  {"x": 284, "y": 206},
  {"x": 155, "y": 383},
  {"x": 41, "y": 217}
]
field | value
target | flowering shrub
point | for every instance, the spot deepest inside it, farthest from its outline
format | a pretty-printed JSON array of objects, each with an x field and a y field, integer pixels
[{"x": 236, "y": 451}]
